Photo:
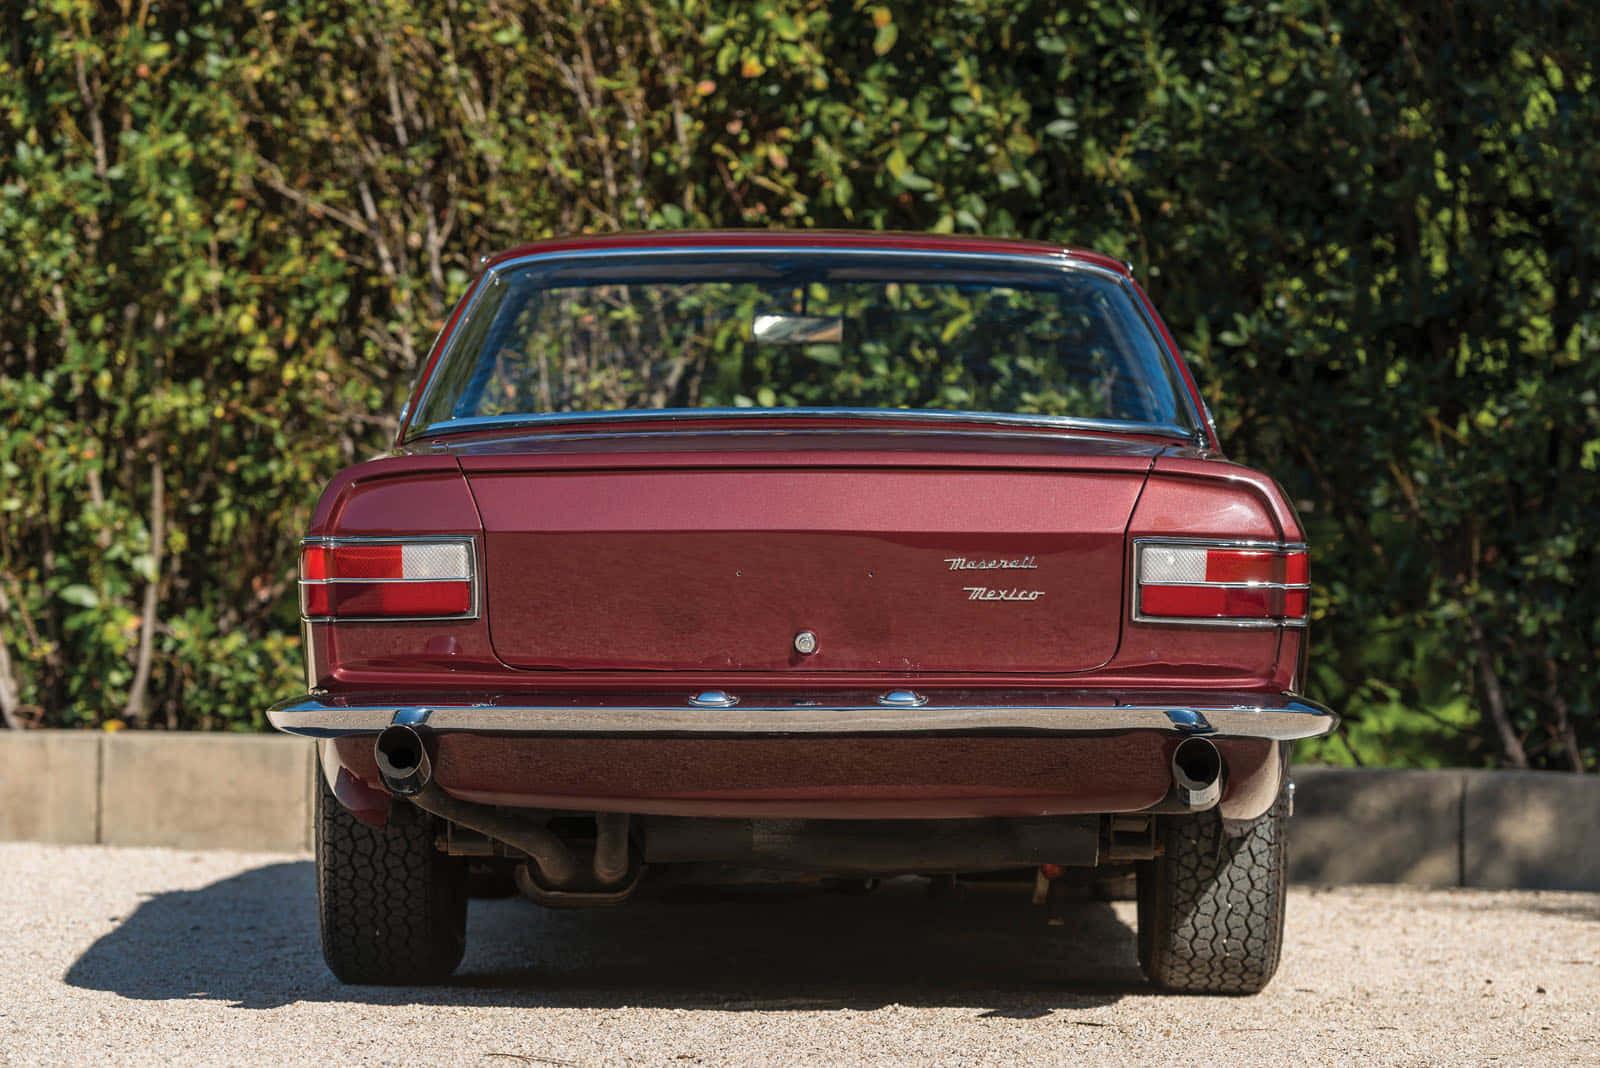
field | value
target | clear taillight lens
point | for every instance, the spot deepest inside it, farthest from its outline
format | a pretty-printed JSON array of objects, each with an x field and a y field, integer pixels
[
  {"x": 424, "y": 578},
  {"x": 1221, "y": 583}
]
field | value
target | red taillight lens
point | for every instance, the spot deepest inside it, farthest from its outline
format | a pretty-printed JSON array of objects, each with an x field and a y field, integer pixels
[
  {"x": 387, "y": 579},
  {"x": 1185, "y": 582}
]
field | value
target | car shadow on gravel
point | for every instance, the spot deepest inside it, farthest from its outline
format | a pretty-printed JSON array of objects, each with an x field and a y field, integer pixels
[
  {"x": 252, "y": 941},
  {"x": 1576, "y": 905}
]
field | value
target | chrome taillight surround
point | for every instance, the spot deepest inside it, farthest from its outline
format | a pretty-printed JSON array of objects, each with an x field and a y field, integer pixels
[
  {"x": 1281, "y": 600},
  {"x": 444, "y": 567}
]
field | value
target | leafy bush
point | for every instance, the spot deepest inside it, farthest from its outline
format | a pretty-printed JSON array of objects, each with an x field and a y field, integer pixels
[{"x": 229, "y": 231}]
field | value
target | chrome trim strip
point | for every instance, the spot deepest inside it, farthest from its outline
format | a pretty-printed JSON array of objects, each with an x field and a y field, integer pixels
[
  {"x": 367, "y": 539},
  {"x": 1228, "y": 543},
  {"x": 1045, "y": 261},
  {"x": 1238, "y": 624},
  {"x": 629, "y": 433},
  {"x": 1283, "y": 719},
  {"x": 394, "y": 581},
  {"x": 1213, "y": 543},
  {"x": 475, "y": 579},
  {"x": 1233, "y": 585},
  {"x": 308, "y": 651},
  {"x": 1190, "y": 721},
  {"x": 468, "y": 424}
]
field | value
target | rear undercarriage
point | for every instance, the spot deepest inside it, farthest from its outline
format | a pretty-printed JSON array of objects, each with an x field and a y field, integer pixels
[
  {"x": 393, "y": 887},
  {"x": 590, "y": 849},
  {"x": 1058, "y": 787}
]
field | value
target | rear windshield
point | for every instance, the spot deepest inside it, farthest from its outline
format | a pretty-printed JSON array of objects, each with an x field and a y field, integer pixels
[{"x": 797, "y": 330}]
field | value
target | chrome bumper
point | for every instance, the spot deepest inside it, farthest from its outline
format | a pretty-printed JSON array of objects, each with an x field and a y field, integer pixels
[{"x": 1281, "y": 718}]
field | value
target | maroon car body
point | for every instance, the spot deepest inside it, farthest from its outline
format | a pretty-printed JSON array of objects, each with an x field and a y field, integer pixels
[{"x": 678, "y": 621}]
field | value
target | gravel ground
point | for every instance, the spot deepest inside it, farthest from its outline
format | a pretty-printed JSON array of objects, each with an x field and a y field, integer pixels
[{"x": 154, "y": 956}]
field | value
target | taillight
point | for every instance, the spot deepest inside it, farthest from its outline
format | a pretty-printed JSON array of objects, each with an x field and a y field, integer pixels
[
  {"x": 384, "y": 578},
  {"x": 1220, "y": 583}
]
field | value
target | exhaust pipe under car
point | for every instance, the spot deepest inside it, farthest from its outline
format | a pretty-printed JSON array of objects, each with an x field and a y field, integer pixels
[
  {"x": 407, "y": 771},
  {"x": 1197, "y": 774}
]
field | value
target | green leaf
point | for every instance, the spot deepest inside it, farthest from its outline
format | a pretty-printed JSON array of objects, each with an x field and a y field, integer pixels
[
  {"x": 883, "y": 40},
  {"x": 82, "y": 596}
]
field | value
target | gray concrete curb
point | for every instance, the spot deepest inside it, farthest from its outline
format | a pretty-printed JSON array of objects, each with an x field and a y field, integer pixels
[
  {"x": 194, "y": 791},
  {"x": 1534, "y": 830},
  {"x": 1501, "y": 829}
]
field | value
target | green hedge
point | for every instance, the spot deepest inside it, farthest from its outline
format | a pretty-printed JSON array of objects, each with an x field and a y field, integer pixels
[{"x": 227, "y": 233}]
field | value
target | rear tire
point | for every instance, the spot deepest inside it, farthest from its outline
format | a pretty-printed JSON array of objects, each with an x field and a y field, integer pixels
[
  {"x": 393, "y": 908},
  {"x": 1211, "y": 906}
]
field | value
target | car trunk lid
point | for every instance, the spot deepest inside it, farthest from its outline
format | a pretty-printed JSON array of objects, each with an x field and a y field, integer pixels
[{"x": 916, "y": 558}]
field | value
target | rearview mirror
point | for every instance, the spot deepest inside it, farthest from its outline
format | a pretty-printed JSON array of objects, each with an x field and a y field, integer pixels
[{"x": 798, "y": 329}]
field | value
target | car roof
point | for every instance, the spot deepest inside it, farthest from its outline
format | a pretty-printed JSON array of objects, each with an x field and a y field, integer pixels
[{"x": 887, "y": 241}]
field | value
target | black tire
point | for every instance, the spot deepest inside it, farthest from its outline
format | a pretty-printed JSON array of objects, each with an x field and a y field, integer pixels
[
  {"x": 393, "y": 908},
  {"x": 1211, "y": 906}
]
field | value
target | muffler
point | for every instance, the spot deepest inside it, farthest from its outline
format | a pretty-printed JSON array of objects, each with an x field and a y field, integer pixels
[
  {"x": 614, "y": 875},
  {"x": 407, "y": 771},
  {"x": 1197, "y": 774}
]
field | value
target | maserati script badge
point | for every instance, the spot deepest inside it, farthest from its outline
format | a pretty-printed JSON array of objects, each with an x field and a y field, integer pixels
[
  {"x": 986, "y": 593},
  {"x": 964, "y": 563}
]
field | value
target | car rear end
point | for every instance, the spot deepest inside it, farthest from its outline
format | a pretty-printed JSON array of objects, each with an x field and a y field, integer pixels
[{"x": 828, "y": 640}]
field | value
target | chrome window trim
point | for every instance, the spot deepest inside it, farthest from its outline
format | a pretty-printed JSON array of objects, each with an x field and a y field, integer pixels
[
  {"x": 474, "y": 578},
  {"x": 1137, "y": 616},
  {"x": 633, "y": 432},
  {"x": 1060, "y": 261},
  {"x": 467, "y": 424}
]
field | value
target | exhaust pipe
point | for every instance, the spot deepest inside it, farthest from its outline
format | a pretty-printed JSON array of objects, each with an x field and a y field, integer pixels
[
  {"x": 403, "y": 762},
  {"x": 610, "y": 848},
  {"x": 1197, "y": 774},
  {"x": 407, "y": 772},
  {"x": 613, "y": 877}
]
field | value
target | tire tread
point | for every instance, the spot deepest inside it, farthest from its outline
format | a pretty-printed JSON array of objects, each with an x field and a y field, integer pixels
[
  {"x": 392, "y": 907},
  {"x": 1211, "y": 908}
]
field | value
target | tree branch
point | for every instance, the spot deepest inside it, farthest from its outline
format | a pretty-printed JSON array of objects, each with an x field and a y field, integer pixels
[
  {"x": 91, "y": 109},
  {"x": 1558, "y": 702},
  {"x": 275, "y": 181},
  {"x": 10, "y": 702},
  {"x": 135, "y": 708},
  {"x": 1494, "y": 697}
]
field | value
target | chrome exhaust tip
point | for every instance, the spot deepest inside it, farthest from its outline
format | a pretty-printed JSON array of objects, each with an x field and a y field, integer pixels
[
  {"x": 1197, "y": 774},
  {"x": 403, "y": 762}
]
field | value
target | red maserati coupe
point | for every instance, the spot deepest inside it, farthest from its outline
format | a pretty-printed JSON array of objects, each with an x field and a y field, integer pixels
[{"x": 837, "y": 554}]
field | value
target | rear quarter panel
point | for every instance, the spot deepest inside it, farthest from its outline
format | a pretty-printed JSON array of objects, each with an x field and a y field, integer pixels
[
  {"x": 384, "y": 498},
  {"x": 1194, "y": 497}
]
